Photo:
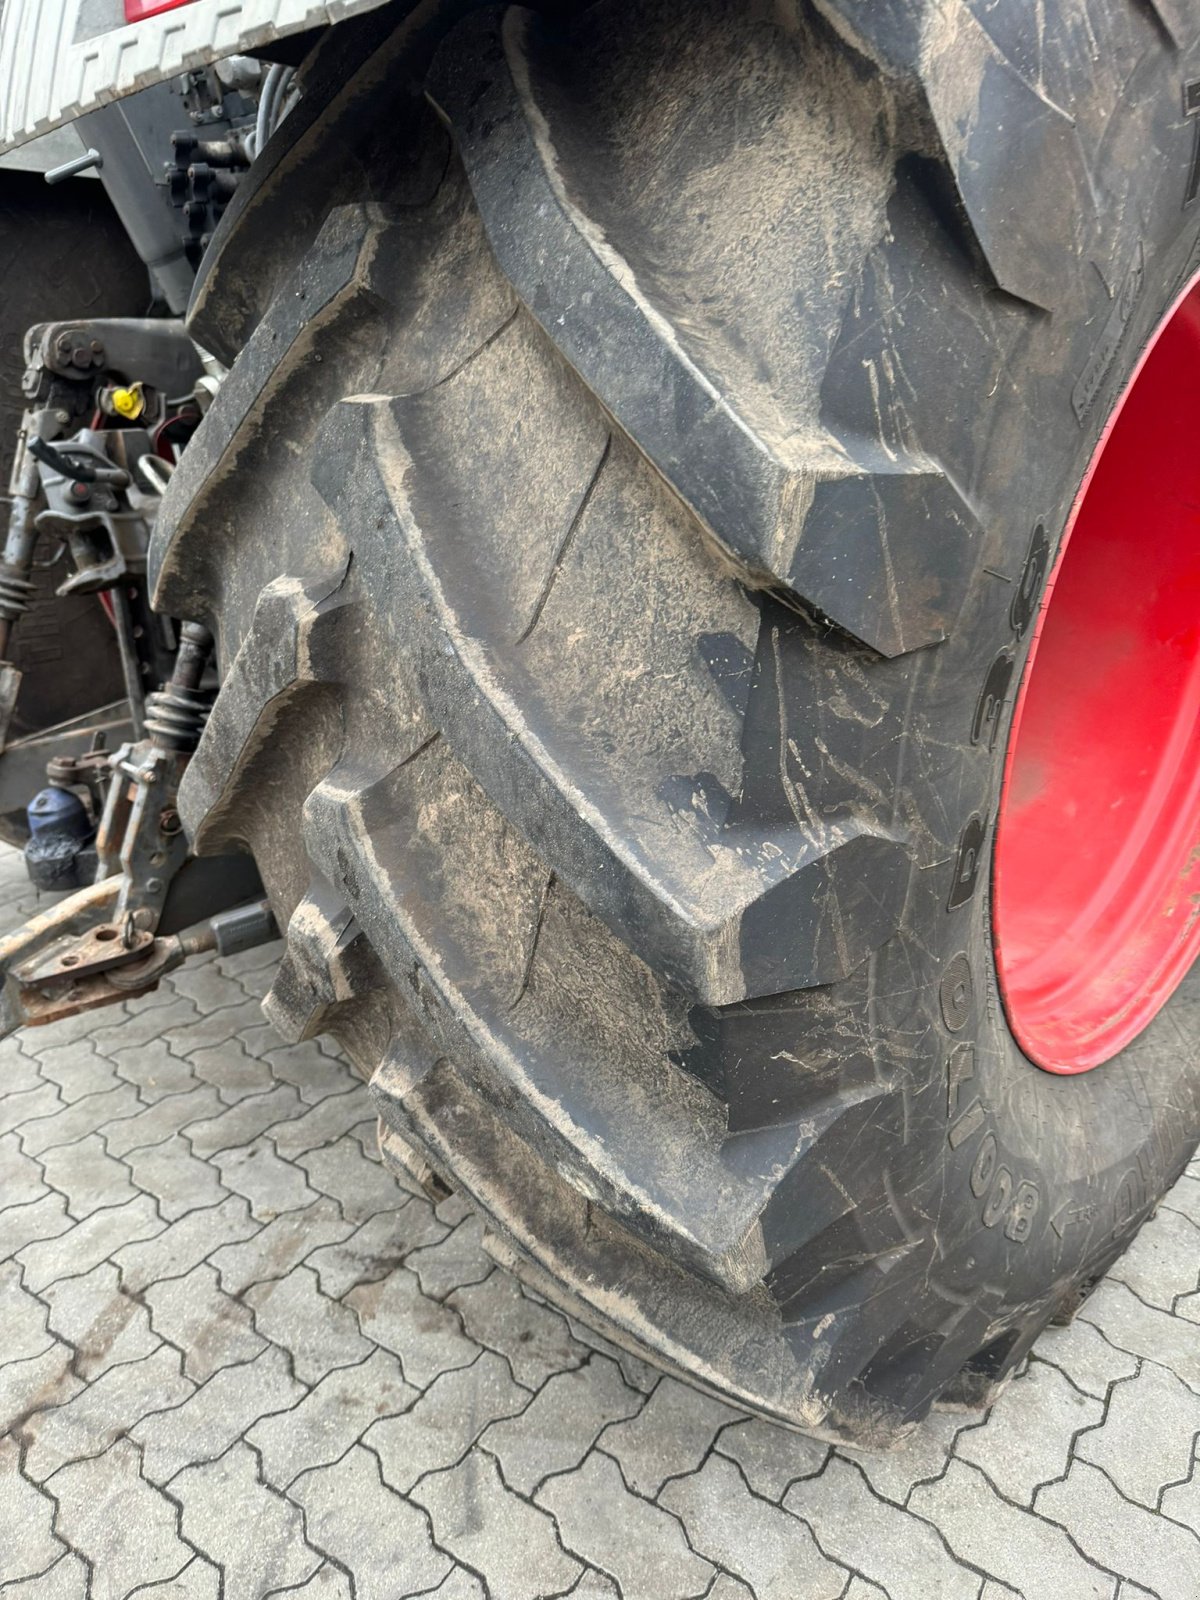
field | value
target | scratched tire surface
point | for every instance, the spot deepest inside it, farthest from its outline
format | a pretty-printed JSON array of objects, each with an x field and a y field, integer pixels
[{"x": 649, "y": 431}]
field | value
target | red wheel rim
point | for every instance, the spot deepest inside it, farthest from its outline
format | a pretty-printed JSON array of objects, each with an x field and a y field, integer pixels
[{"x": 1096, "y": 873}]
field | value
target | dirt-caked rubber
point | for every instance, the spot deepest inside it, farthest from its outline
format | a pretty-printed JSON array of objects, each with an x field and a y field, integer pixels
[{"x": 649, "y": 431}]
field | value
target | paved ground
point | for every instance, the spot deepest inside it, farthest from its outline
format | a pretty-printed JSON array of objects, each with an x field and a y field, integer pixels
[{"x": 237, "y": 1359}]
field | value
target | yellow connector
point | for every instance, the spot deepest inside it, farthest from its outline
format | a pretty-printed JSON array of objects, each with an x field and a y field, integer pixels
[{"x": 129, "y": 403}]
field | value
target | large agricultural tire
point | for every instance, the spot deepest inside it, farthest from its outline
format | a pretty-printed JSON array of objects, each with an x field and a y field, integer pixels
[
  {"x": 622, "y": 527},
  {"x": 63, "y": 254}
]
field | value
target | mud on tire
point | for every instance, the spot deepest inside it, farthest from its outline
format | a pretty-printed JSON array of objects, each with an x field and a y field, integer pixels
[{"x": 640, "y": 422}]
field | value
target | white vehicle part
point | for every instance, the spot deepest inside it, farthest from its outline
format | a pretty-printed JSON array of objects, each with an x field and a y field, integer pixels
[{"x": 60, "y": 58}]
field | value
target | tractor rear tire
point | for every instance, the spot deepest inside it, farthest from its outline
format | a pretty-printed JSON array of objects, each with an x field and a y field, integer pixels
[{"x": 650, "y": 431}]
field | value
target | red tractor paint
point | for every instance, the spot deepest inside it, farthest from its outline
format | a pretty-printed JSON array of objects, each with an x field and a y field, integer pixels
[{"x": 1096, "y": 873}]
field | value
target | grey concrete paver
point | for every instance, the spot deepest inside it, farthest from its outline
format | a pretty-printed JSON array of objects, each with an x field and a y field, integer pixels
[
  {"x": 535, "y": 1341},
  {"x": 122, "y": 1526},
  {"x": 107, "y": 1408},
  {"x": 352, "y": 1515},
  {"x": 104, "y": 1325},
  {"x": 28, "y": 1545},
  {"x": 1020, "y": 1550},
  {"x": 319, "y": 1333},
  {"x": 670, "y": 1435},
  {"x": 904, "y": 1555},
  {"x": 211, "y": 1328},
  {"x": 555, "y": 1430},
  {"x": 762, "y": 1545},
  {"x": 495, "y": 1533},
  {"x": 1149, "y": 1435},
  {"x": 331, "y": 1417},
  {"x": 89, "y": 1242},
  {"x": 1151, "y": 1550},
  {"x": 253, "y": 1534},
  {"x": 440, "y": 1425},
  {"x": 214, "y": 1415},
  {"x": 67, "y": 1579},
  {"x": 640, "y": 1546},
  {"x": 88, "y": 1176},
  {"x": 1028, "y": 1441},
  {"x": 239, "y": 1358}
]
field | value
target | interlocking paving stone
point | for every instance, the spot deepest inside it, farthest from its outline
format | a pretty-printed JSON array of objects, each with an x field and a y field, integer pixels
[
  {"x": 88, "y": 1176},
  {"x": 496, "y": 1533},
  {"x": 89, "y": 1242},
  {"x": 81, "y": 1117},
  {"x": 27, "y": 1542},
  {"x": 199, "y": 1580},
  {"x": 20, "y": 1175},
  {"x": 21, "y": 1225},
  {"x": 640, "y": 1546},
  {"x": 771, "y": 1459},
  {"x": 322, "y": 1123},
  {"x": 361, "y": 1187},
  {"x": 118, "y": 1522},
  {"x": 455, "y": 1262},
  {"x": 205, "y": 986},
  {"x": 159, "y": 1121},
  {"x": 353, "y": 1516},
  {"x": 20, "y": 1072},
  {"x": 270, "y": 1184},
  {"x": 110, "y": 1406},
  {"x": 535, "y": 1341},
  {"x": 758, "y": 1542},
  {"x": 275, "y": 1249},
  {"x": 77, "y": 1069},
  {"x": 1182, "y": 1501},
  {"x": 211, "y": 1328},
  {"x": 153, "y": 1070},
  {"x": 326, "y": 1583},
  {"x": 25, "y": 1328},
  {"x": 183, "y": 1244},
  {"x": 671, "y": 1434},
  {"x": 1027, "y": 1441},
  {"x": 439, "y": 1427},
  {"x": 28, "y": 1105},
  {"x": 215, "y": 1027},
  {"x": 103, "y": 1324},
  {"x": 231, "y": 1071},
  {"x": 241, "y": 1123},
  {"x": 893, "y": 1474},
  {"x": 1185, "y": 1198},
  {"x": 1033, "y": 1557},
  {"x": 330, "y": 1418},
  {"x": 899, "y": 1552},
  {"x": 1163, "y": 1261},
  {"x": 1145, "y": 1331},
  {"x": 217, "y": 1413},
  {"x": 311, "y": 1072},
  {"x": 1125, "y": 1538},
  {"x": 559, "y": 1426},
  {"x": 433, "y": 1411},
  {"x": 247, "y": 1529},
  {"x": 373, "y": 1249},
  {"x": 35, "y": 1384},
  {"x": 67, "y": 1579},
  {"x": 142, "y": 1024},
  {"x": 1149, "y": 1435},
  {"x": 319, "y": 1333},
  {"x": 175, "y": 1178},
  {"x": 426, "y": 1336},
  {"x": 1086, "y": 1356}
]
